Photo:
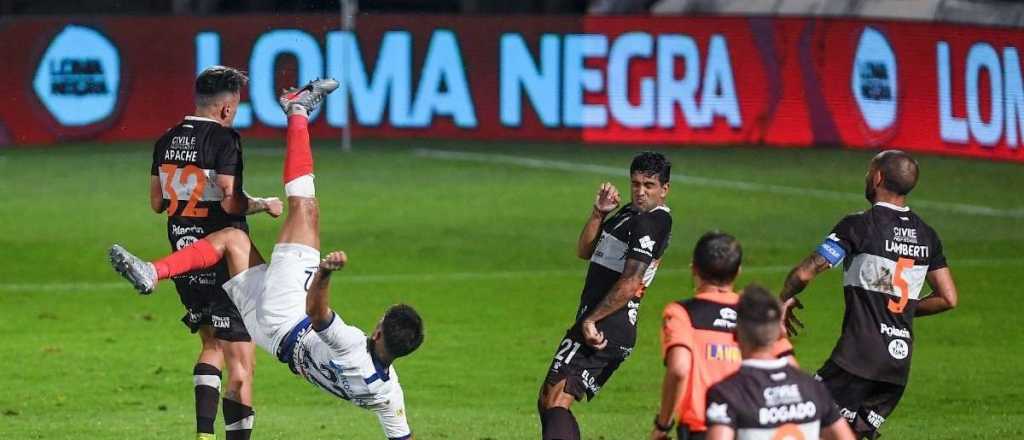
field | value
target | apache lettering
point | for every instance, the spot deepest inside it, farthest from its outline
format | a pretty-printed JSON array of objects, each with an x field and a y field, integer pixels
[
  {"x": 906, "y": 250},
  {"x": 782, "y": 414},
  {"x": 184, "y": 156}
]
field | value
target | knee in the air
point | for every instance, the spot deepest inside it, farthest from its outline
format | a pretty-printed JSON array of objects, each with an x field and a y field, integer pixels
[{"x": 305, "y": 205}]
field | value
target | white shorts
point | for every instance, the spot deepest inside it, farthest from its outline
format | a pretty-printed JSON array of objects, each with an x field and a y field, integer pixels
[{"x": 272, "y": 297}]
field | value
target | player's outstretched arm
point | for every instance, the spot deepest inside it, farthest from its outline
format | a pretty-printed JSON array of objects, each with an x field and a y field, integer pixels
[
  {"x": 796, "y": 282},
  {"x": 318, "y": 306},
  {"x": 629, "y": 283},
  {"x": 943, "y": 297},
  {"x": 838, "y": 430},
  {"x": 240, "y": 203},
  {"x": 606, "y": 201}
]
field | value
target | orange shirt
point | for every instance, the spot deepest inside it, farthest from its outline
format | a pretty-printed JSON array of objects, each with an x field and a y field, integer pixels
[{"x": 706, "y": 326}]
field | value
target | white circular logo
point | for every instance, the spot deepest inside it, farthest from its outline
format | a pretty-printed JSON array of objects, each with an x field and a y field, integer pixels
[
  {"x": 898, "y": 349},
  {"x": 79, "y": 77},
  {"x": 874, "y": 81},
  {"x": 185, "y": 241}
]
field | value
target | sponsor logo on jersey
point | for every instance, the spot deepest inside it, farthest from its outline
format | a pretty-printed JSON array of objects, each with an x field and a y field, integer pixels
[
  {"x": 723, "y": 352},
  {"x": 787, "y": 413},
  {"x": 182, "y": 242},
  {"x": 187, "y": 230},
  {"x": 875, "y": 420},
  {"x": 899, "y": 349},
  {"x": 778, "y": 377},
  {"x": 718, "y": 413},
  {"x": 894, "y": 332},
  {"x": 727, "y": 320},
  {"x": 78, "y": 77},
  {"x": 634, "y": 311},
  {"x": 850, "y": 416},
  {"x": 904, "y": 235},
  {"x": 589, "y": 383},
  {"x": 647, "y": 243},
  {"x": 782, "y": 395},
  {"x": 221, "y": 321}
]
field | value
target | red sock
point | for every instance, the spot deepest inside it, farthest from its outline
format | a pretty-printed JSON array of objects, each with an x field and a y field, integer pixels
[
  {"x": 198, "y": 255},
  {"x": 298, "y": 157}
]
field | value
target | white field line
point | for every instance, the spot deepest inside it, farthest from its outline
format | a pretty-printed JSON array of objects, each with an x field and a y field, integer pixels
[
  {"x": 547, "y": 164},
  {"x": 460, "y": 276}
]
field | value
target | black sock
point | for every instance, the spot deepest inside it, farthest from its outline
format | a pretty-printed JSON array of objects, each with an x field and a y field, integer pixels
[
  {"x": 206, "y": 378},
  {"x": 238, "y": 420},
  {"x": 559, "y": 424}
]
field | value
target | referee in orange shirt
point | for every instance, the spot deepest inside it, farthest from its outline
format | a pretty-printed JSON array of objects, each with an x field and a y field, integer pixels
[{"x": 699, "y": 338}]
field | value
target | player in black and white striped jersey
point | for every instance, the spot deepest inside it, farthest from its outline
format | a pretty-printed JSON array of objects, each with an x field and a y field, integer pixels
[
  {"x": 197, "y": 181},
  {"x": 769, "y": 399},
  {"x": 888, "y": 254}
]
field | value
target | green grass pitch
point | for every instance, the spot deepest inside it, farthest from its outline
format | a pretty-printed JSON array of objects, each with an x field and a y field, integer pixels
[{"x": 486, "y": 252}]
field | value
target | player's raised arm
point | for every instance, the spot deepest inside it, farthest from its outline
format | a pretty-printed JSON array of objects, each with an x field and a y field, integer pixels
[
  {"x": 606, "y": 201},
  {"x": 240, "y": 203},
  {"x": 318, "y": 306}
]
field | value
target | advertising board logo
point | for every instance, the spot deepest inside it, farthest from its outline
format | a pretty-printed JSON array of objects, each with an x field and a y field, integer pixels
[
  {"x": 78, "y": 77},
  {"x": 874, "y": 81}
]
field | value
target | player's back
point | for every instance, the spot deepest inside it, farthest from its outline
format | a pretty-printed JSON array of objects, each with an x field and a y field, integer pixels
[
  {"x": 769, "y": 399},
  {"x": 888, "y": 252},
  {"x": 188, "y": 159}
]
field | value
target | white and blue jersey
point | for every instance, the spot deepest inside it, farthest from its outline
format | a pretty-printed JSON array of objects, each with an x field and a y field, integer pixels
[{"x": 340, "y": 360}]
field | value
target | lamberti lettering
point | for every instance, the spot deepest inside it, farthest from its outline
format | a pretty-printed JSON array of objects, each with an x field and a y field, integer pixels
[{"x": 906, "y": 250}]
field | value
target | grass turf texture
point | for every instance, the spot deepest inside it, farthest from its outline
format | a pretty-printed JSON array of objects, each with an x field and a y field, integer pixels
[{"x": 486, "y": 253}]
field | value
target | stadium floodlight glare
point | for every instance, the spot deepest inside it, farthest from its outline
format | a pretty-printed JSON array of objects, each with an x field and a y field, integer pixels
[{"x": 348, "y": 11}]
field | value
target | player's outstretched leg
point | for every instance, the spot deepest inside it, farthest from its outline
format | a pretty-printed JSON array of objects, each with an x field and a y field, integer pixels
[
  {"x": 301, "y": 225},
  {"x": 230, "y": 243}
]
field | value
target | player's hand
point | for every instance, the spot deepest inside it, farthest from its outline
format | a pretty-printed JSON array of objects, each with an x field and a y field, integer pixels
[
  {"x": 274, "y": 206},
  {"x": 592, "y": 336},
  {"x": 790, "y": 323},
  {"x": 607, "y": 198},
  {"x": 333, "y": 261},
  {"x": 659, "y": 435}
]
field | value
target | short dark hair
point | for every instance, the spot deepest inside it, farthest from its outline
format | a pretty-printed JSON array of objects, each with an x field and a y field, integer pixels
[
  {"x": 402, "y": 330},
  {"x": 215, "y": 80},
  {"x": 650, "y": 163},
  {"x": 899, "y": 171},
  {"x": 758, "y": 317},
  {"x": 717, "y": 257}
]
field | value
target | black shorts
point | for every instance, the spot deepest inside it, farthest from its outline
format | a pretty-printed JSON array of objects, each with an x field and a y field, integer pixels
[
  {"x": 206, "y": 303},
  {"x": 584, "y": 369},
  {"x": 863, "y": 402}
]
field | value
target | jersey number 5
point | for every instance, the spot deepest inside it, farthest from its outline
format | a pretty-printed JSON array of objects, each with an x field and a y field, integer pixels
[
  {"x": 194, "y": 181},
  {"x": 899, "y": 283}
]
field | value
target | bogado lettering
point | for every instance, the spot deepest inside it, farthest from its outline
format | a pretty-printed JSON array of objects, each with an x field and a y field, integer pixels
[
  {"x": 783, "y": 414},
  {"x": 1005, "y": 91},
  {"x": 555, "y": 82}
]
